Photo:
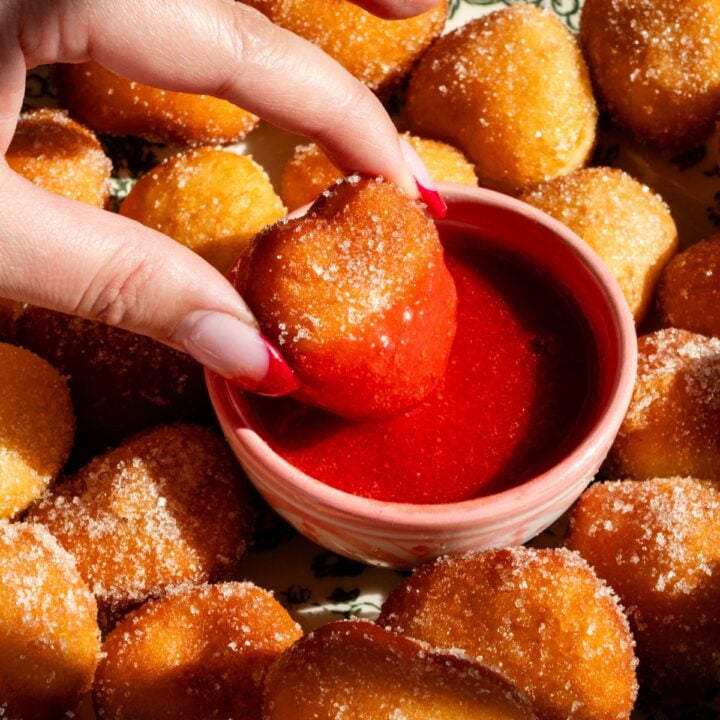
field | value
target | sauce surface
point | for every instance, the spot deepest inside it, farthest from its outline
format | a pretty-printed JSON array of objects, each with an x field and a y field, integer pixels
[{"x": 516, "y": 395}]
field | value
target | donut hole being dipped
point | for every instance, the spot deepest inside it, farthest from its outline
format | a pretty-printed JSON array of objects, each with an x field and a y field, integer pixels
[{"x": 357, "y": 297}]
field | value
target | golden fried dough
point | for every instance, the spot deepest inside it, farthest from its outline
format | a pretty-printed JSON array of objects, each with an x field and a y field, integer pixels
[
  {"x": 197, "y": 654},
  {"x": 657, "y": 542},
  {"x": 541, "y": 616},
  {"x": 671, "y": 426},
  {"x": 111, "y": 104},
  {"x": 167, "y": 508},
  {"x": 511, "y": 90},
  {"x": 37, "y": 427},
  {"x": 60, "y": 155},
  {"x": 376, "y": 51},
  {"x": 656, "y": 65},
  {"x": 623, "y": 221},
  {"x": 210, "y": 200},
  {"x": 309, "y": 171},
  {"x": 120, "y": 382},
  {"x": 360, "y": 670},
  {"x": 689, "y": 291},
  {"x": 357, "y": 297},
  {"x": 49, "y": 636}
]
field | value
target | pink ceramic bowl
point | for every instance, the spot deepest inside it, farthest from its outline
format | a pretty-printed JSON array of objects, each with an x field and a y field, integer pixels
[{"x": 402, "y": 535}]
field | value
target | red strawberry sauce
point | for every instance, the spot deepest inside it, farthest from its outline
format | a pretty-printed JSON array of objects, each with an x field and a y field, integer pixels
[{"x": 516, "y": 395}]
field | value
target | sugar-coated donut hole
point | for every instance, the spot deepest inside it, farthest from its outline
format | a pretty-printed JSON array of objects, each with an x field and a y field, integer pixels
[
  {"x": 112, "y": 104},
  {"x": 208, "y": 199},
  {"x": 622, "y": 220},
  {"x": 671, "y": 425},
  {"x": 512, "y": 91},
  {"x": 655, "y": 65},
  {"x": 308, "y": 172},
  {"x": 688, "y": 295},
  {"x": 60, "y": 155},
  {"x": 357, "y": 297},
  {"x": 120, "y": 382},
  {"x": 373, "y": 673},
  {"x": 49, "y": 636},
  {"x": 376, "y": 51},
  {"x": 168, "y": 507},
  {"x": 37, "y": 427},
  {"x": 657, "y": 543},
  {"x": 542, "y": 616},
  {"x": 197, "y": 653}
]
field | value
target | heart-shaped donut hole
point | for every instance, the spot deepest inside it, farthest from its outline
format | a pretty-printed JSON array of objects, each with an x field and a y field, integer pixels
[{"x": 357, "y": 297}]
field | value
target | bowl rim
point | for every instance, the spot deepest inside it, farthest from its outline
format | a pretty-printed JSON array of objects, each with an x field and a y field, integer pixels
[{"x": 536, "y": 492}]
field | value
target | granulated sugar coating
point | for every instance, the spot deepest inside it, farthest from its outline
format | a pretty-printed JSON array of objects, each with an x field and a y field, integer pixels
[
  {"x": 309, "y": 171},
  {"x": 167, "y": 508},
  {"x": 60, "y": 155},
  {"x": 689, "y": 291},
  {"x": 37, "y": 426},
  {"x": 623, "y": 221},
  {"x": 196, "y": 654},
  {"x": 657, "y": 542},
  {"x": 656, "y": 65},
  {"x": 376, "y": 51},
  {"x": 210, "y": 200},
  {"x": 120, "y": 382},
  {"x": 541, "y": 617},
  {"x": 111, "y": 104},
  {"x": 671, "y": 427},
  {"x": 357, "y": 297},
  {"x": 349, "y": 670},
  {"x": 49, "y": 637},
  {"x": 514, "y": 95}
]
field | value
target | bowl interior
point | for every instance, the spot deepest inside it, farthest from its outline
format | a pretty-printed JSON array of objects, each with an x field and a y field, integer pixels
[{"x": 554, "y": 251}]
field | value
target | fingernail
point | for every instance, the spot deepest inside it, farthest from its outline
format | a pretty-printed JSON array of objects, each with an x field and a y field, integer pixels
[
  {"x": 235, "y": 350},
  {"x": 279, "y": 378},
  {"x": 425, "y": 184}
]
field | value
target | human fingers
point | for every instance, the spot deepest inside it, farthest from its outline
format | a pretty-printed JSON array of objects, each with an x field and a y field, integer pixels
[
  {"x": 396, "y": 9},
  {"x": 77, "y": 259},
  {"x": 229, "y": 50}
]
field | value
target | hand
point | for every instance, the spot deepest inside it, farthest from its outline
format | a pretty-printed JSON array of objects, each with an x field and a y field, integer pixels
[{"x": 80, "y": 260}]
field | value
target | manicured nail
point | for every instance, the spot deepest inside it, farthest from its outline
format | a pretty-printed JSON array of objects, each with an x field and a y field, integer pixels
[
  {"x": 279, "y": 378},
  {"x": 235, "y": 350},
  {"x": 425, "y": 184}
]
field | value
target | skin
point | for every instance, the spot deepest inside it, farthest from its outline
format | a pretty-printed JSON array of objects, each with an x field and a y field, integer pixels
[{"x": 66, "y": 256}]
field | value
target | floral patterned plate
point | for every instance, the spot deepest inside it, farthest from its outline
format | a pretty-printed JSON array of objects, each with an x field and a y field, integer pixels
[{"x": 318, "y": 586}]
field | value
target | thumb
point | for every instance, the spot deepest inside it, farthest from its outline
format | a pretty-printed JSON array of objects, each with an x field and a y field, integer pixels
[{"x": 80, "y": 260}]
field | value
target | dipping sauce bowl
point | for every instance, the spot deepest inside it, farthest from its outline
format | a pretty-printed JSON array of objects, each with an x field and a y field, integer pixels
[{"x": 402, "y": 534}]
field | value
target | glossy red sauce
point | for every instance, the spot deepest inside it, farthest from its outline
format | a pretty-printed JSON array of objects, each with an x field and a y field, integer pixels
[{"x": 516, "y": 395}]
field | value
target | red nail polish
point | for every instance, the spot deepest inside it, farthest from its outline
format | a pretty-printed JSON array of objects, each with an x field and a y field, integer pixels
[
  {"x": 279, "y": 379},
  {"x": 437, "y": 209}
]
